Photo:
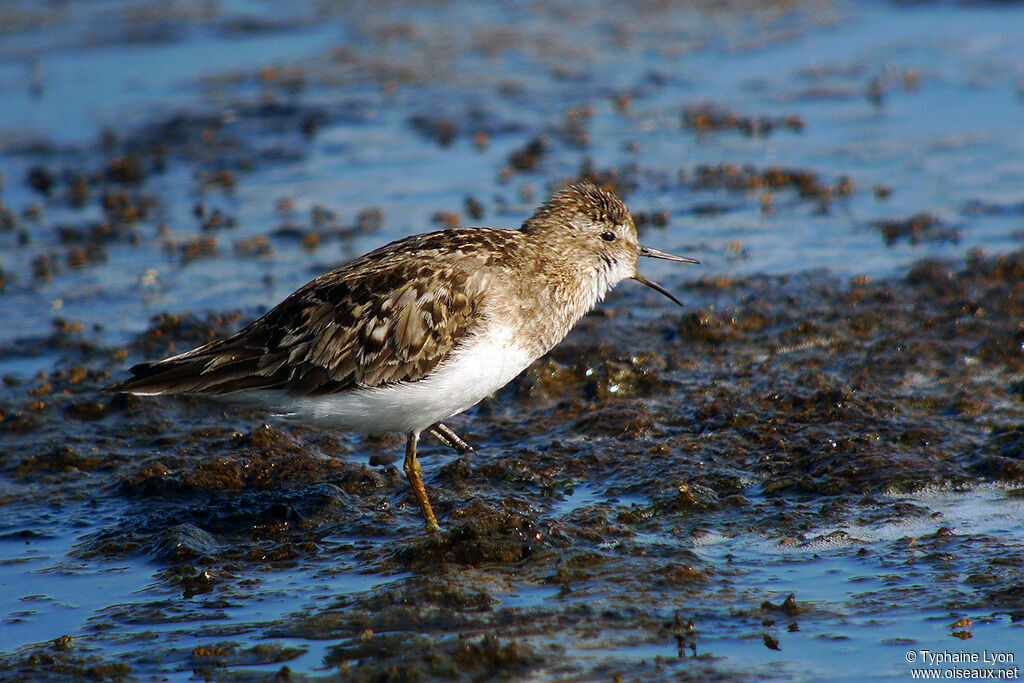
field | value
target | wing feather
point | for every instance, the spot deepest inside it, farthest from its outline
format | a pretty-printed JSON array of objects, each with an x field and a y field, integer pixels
[{"x": 390, "y": 316}]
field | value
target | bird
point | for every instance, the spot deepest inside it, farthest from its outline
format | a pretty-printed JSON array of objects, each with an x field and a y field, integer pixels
[{"x": 419, "y": 330}]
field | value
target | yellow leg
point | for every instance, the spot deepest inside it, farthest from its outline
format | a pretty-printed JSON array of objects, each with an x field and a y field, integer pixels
[{"x": 412, "y": 471}]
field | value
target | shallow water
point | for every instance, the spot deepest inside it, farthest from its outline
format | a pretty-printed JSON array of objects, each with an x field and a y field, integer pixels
[{"x": 617, "y": 498}]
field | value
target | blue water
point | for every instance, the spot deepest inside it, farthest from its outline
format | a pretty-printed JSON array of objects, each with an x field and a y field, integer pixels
[{"x": 949, "y": 141}]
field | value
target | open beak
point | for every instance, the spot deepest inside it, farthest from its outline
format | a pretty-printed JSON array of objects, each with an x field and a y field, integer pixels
[{"x": 654, "y": 253}]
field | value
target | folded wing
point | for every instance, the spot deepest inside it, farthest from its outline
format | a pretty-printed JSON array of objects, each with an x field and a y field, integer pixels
[{"x": 376, "y": 321}]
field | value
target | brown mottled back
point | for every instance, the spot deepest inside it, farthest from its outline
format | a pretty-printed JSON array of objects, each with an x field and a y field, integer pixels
[{"x": 375, "y": 321}]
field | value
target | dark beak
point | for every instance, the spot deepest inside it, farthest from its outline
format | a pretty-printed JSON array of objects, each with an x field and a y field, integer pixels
[{"x": 654, "y": 253}]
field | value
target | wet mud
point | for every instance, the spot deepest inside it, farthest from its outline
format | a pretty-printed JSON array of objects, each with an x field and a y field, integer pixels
[
  {"x": 818, "y": 460},
  {"x": 773, "y": 404}
]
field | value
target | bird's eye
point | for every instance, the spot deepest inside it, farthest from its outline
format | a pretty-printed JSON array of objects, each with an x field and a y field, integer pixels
[{"x": 608, "y": 236}]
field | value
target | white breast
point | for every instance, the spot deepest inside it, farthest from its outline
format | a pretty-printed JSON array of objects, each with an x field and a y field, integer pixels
[{"x": 479, "y": 368}]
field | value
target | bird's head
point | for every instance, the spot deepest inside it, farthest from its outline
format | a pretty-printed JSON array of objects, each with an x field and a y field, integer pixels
[{"x": 592, "y": 224}]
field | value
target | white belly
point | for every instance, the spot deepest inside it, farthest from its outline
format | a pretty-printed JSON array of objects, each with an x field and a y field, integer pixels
[{"x": 477, "y": 370}]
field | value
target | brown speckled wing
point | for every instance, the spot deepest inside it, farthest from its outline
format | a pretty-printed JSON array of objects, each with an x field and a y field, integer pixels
[{"x": 390, "y": 316}]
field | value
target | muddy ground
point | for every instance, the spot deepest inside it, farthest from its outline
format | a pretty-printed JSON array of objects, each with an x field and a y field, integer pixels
[
  {"x": 800, "y": 474},
  {"x": 773, "y": 405}
]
